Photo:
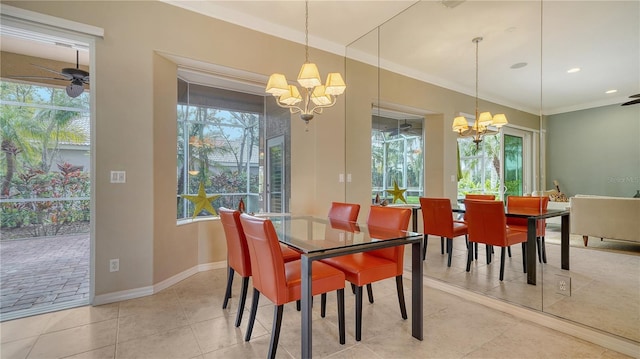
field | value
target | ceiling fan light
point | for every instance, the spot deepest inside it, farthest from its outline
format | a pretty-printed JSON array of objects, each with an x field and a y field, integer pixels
[{"x": 74, "y": 90}]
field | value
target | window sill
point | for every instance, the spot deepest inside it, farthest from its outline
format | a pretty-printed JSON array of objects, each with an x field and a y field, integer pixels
[{"x": 185, "y": 221}]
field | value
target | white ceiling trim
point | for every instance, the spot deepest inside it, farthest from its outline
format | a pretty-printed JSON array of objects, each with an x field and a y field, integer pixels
[{"x": 11, "y": 12}]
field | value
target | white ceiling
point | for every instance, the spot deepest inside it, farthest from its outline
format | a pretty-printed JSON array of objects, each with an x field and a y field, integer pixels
[{"x": 431, "y": 42}]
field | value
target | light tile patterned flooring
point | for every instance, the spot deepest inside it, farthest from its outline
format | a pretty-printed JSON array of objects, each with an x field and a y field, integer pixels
[{"x": 187, "y": 321}]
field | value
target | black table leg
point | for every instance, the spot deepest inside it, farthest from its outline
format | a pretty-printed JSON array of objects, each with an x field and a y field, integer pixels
[
  {"x": 564, "y": 242},
  {"x": 531, "y": 251},
  {"x": 414, "y": 219},
  {"x": 306, "y": 305},
  {"x": 416, "y": 290}
]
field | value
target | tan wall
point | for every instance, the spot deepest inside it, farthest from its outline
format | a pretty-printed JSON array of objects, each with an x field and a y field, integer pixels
[{"x": 135, "y": 100}]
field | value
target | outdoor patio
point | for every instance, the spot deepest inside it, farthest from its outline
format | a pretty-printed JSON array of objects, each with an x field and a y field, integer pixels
[{"x": 43, "y": 271}]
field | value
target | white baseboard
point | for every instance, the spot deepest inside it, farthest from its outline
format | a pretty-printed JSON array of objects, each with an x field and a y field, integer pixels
[
  {"x": 144, "y": 291},
  {"x": 591, "y": 335}
]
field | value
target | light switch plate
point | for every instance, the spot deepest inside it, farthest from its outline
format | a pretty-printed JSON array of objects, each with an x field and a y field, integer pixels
[{"x": 118, "y": 176}]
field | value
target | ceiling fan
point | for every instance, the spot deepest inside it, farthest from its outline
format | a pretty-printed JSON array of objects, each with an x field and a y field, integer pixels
[
  {"x": 76, "y": 76},
  {"x": 632, "y": 102},
  {"x": 404, "y": 128}
]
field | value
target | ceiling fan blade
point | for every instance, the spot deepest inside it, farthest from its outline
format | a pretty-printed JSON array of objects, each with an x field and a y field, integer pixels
[
  {"x": 38, "y": 78},
  {"x": 633, "y": 102},
  {"x": 67, "y": 77},
  {"x": 635, "y": 96}
]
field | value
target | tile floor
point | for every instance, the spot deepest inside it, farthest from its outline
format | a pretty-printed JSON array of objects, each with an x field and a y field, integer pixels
[{"x": 187, "y": 321}]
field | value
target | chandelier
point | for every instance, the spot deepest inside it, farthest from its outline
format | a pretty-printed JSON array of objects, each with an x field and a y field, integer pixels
[
  {"x": 315, "y": 96},
  {"x": 482, "y": 121}
]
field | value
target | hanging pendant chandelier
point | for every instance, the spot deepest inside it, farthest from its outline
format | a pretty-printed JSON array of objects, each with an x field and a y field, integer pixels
[
  {"x": 313, "y": 95},
  {"x": 482, "y": 121}
]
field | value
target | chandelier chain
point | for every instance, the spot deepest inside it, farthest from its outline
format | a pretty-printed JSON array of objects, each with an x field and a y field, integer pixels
[
  {"x": 306, "y": 30},
  {"x": 477, "y": 41}
]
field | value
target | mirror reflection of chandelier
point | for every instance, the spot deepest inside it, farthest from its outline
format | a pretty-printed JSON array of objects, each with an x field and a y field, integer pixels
[
  {"x": 315, "y": 96},
  {"x": 482, "y": 121}
]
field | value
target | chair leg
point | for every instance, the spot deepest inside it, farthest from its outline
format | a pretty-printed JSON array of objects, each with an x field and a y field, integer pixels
[
  {"x": 370, "y": 292},
  {"x": 323, "y": 304},
  {"x": 544, "y": 251},
  {"x": 275, "y": 331},
  {"x": 358, "y": 313},
  {"x": 539, "y": 249},
  {"x": 424, "y": 248},
  {"x": 243, "y": 298},
  {"x": 252, "y": 315},
  {"x": 524, "y": 257},
  {"x": 469, "y": 255},
  {"x": 340, "y": 295},
  {"x": 227, "y": 294},
  {"x": 353, "y": 288},
  {"x": 509, "y": 251},
  {"x": 475, "y": 245},
  {"x": 441, "y": 245},
  {"x": 400, "y": 289},
  {"x": 449, "y": 250},
  {"x": 502, "y": 253},
  {"x": 298, "y": 308},
  {"x": 488, "y": 250}
]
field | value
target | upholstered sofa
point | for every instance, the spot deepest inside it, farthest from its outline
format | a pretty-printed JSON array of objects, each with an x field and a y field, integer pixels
[{"x": 605, "y": 217}]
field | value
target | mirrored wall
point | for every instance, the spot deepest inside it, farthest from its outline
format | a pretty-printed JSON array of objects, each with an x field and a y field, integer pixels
[{"x": 424, "y": 59}]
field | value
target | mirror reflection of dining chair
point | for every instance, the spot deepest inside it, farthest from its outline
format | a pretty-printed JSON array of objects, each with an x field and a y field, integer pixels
[
  {"x": 238, "y": 256},
  {"x": 365, "y": 268},
  {"x": 342, "y": 217},
  {"x": 342, "y": 211},
  {"x": 483, "y": 197},
  {"x": 437, "y": 218},
  {"x": 281, "y": 282},
  {"x": 515, "y": 203},
  {"x": 488, "y": 224}
]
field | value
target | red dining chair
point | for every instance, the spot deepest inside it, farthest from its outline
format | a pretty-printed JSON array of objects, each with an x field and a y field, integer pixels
[
  {"x": 365, "y": 268},
  {"x": 483, "y": 197},
  {"x": 341, "y": 211},
  {"x": 281, "y": 282},
  {"x": 238, "y": 256},
  {"x": 480, "y": 196},
  {"x": 437, "y": 219},
  {"x": 487, "y": 224},
  {"x": 529, "y": 203}
]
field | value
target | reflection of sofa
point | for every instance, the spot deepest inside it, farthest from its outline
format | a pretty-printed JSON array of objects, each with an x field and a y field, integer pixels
[{"x": 605, "y": 217}]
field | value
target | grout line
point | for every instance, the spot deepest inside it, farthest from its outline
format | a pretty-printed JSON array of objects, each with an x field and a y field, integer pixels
[{"x": 546, "y": 320}]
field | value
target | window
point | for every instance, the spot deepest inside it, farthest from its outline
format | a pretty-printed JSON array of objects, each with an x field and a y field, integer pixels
[
  {"x": 397, "y": 156},
  {"x": 479, "y": 165},
  {"x": 220, "y": 144}
]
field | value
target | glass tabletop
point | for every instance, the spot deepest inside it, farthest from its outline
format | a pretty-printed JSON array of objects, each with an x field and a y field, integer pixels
[{"x": 316, "y": 234}]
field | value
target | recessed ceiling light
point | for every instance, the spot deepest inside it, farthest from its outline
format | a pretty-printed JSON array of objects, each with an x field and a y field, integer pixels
[
  {"x": 611, "y": 91},
  {"x": 573, "y": 70},
  {"x": 519, "y": 65}
]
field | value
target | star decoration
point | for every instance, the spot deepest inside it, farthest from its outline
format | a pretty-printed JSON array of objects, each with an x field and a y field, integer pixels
[
  {"x": 397, "y": 193},
  {"x": 201, "y": 201}
]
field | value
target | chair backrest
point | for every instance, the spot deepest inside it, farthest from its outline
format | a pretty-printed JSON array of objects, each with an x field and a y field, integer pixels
[
  {"x": 266, "y": 258},
  {"x": 437, "y": 216},
  {"x": 393, "y": 218},
  {"x": 486, "y": 222},
  {"x": 527, "y": 203},
  {"x": 485, "y": 197},
  {"x": 347, "y": 212},
  {"x": 237, "y": 249}
]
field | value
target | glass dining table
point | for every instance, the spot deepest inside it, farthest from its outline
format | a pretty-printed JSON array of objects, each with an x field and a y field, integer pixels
[{"x": 319, "y": 238}]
